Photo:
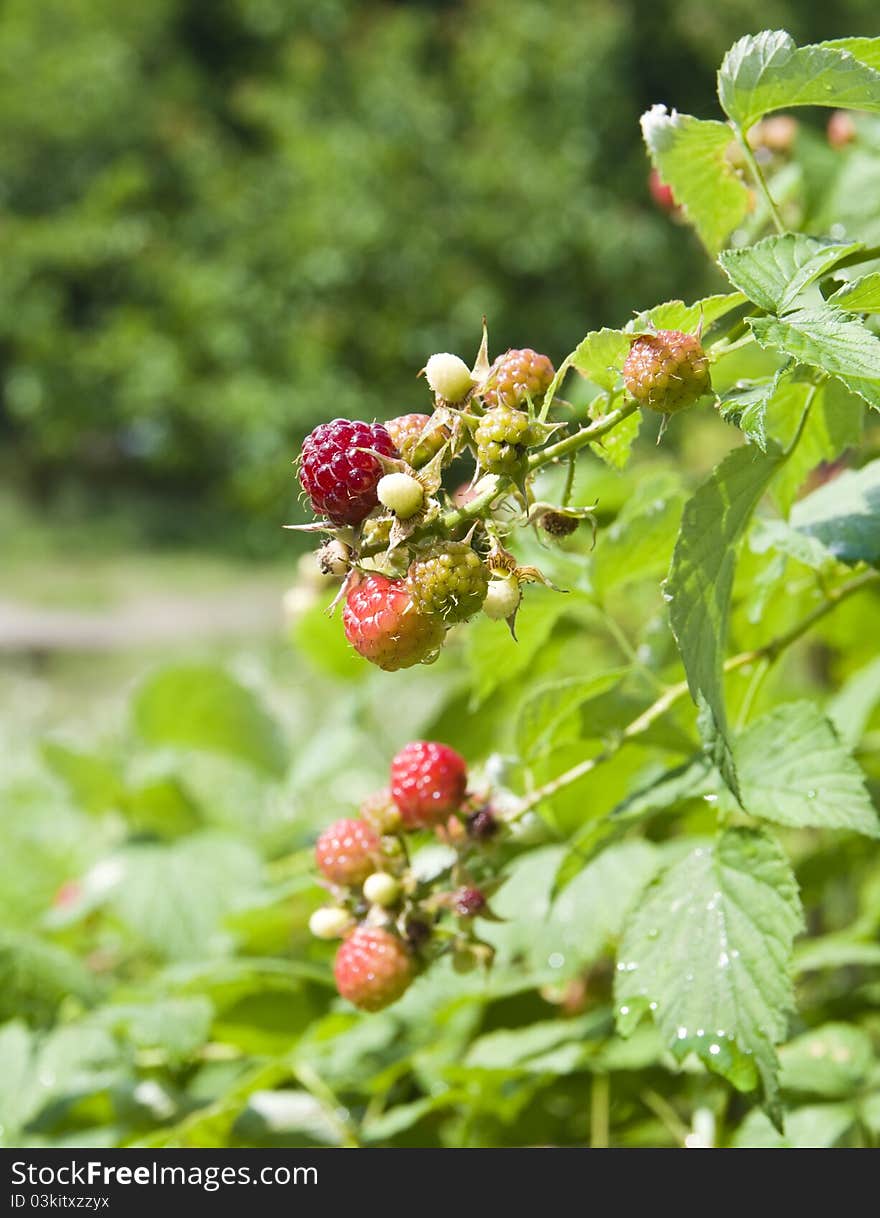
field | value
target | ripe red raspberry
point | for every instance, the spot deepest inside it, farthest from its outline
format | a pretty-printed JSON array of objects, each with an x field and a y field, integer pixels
[
  {"x": 416, "y": 445},
  {"x": 666, "y": 371},
  {"x": 340, "y": 480},
  {"x": 380, "y": 811},
  {"x": 502, "y": 437},
  {"x": 384, "y": 626},
  {"x": 348, "y": 851},
  {"x": 373, "y": 968},
  {"x": 448, "y": 580},
  {"x": 428, "y": 781},
  {"x": 517, "y": 376}
]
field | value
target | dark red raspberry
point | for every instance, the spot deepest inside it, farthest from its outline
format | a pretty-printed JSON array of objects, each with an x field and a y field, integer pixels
[
  {"x": 348, "y": 851},
  {"x": 415, "y": 438},
  {"x": 339, "y": 479},
  {"x": 667, "y": 370},
  {"x": 384, "y": 626},
  {"x": 558, "y": 524},
  {"x": 373, "y": 968},
  {"x": 468, "y": 902},
  {"x": 428, "y": 781},
  {"x": 517, "y": 376},
  {"x": 481, "y": 825}
]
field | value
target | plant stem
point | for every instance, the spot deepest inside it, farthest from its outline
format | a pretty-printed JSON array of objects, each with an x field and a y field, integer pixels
[
  {"x": 587, "y": 435},
  {"x": 760, "y": 180},
  {"x": 600, "y": 1103},
  {"x": 768, "y": 652}
]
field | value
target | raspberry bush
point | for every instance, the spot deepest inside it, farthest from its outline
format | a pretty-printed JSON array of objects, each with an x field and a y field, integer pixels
[
  {"x": 605, "y": 873},
  {"x": 789, "y": 358}
]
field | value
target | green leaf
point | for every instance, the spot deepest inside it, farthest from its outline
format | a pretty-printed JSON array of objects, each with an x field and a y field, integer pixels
[
  {"x": 823, "y": 338},
  {"x": 852, "y": 706},
  {"x": 844, "y": 515},
  {"x": 546, "y": 712},
  {"x": 94, "y": 783},
  {"x": 615, "y": 448},
  {"x": 834, "y": 424},
  {"x": 860, "y": 296},
  {"x": 780, "y": 536},
  {"x": 175, "y": 1027},
  {"x": 744, "y": 405},
  {"x": 708, "y": 950},
  {"x": 774, "y": 272},
  {"x": 173, "y": 898},
  {"x": 496, "y": 658},
  {"x": 693, "y": 780},
  {"x": 832, "y": 1061},
  {"x": 676, "y": 315},
  {"x": 835, "y": 951},
  {"x": 794, "y": 771},
  {"x": 867, "y": 50},
  {"x": 35, "y": 977},
  {"x": 815, "y": 1127},
  {"x": 599, "y": 357},
  {"x": 638, "y": 545},
  {"x": 202, "y": 707},
  {"x": 691, "y": 157},
  {"x": 550, "y": 940},
  {"x": 700, "y": 583},
  {"x": 162, "y": 807},
  {"x": 768, "y": 71},
  {"x": 518, "y": 1048}
]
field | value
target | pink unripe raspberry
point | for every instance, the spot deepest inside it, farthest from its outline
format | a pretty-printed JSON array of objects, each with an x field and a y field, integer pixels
[
  {"x": 385, "y": 627},
  {"x": 373, "y": 968},
  {"x": 347, "y": 852}
]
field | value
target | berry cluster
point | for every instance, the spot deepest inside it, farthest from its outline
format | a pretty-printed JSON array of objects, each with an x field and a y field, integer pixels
[
  {"x": 391, "y": 919},
  {"x": 417, "y": 560}
]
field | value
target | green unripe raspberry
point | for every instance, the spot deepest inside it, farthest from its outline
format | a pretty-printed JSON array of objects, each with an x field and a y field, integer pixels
[
  {"x": 380, "y": 888},
  {"x": 448, "y": 581},
  {"x": 448, "y": 376},
  {"x": 502, "y": 597},
  {"x": 402, "y": 494},
  {"x": 381, "y": 812},
  {"x": 330, "y": 922},
  {"x": 502, "y": 437}
]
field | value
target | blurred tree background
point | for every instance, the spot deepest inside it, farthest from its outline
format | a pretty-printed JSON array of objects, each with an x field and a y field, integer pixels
[{"x": 223, "y": 222}]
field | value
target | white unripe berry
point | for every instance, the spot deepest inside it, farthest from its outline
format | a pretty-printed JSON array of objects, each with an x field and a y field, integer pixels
[
  {"x": 448, "y": 376},
  {"x": 502, "y": 597},
  {"x": 402, "y": 494},
  {"x": 380, "y": 888},
  {"x": 330, "y": 922},
  {"x": 334, "y": 558}
]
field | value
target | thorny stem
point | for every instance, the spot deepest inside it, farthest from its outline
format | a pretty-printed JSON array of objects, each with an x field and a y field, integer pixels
[
  {"x": 451, "y": 520},
  {"x": 760, "y": 180},
  {"x": 768, "y": 652}
]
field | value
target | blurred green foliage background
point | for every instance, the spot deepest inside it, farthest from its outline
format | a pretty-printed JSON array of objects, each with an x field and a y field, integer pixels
[{"x": 223, "y": 222}]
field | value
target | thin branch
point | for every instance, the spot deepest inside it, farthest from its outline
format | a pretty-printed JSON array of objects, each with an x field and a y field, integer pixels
[{"x": 760, "y": 180}]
